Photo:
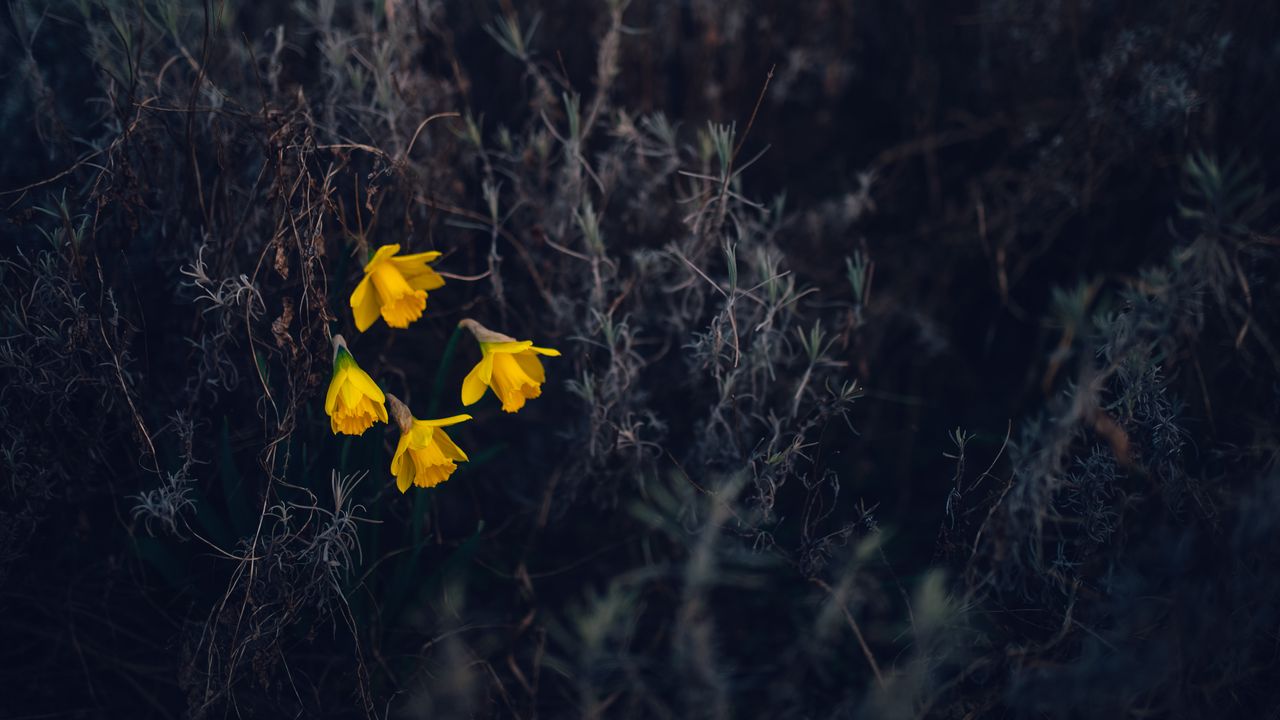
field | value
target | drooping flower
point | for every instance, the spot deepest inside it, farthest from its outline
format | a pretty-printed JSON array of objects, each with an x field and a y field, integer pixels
[
  {"x": 394, "y": 287},
  {"x": 510, "y": 367},
  {"x": 425, "y": 456},
  {"x": 354, "y": 401}
]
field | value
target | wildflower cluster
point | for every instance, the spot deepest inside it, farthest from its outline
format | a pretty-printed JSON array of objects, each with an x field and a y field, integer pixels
[{"x": 394, "y": 287}]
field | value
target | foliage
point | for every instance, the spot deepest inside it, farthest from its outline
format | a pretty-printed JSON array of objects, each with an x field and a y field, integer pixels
[{"x": 917, "y": 361}]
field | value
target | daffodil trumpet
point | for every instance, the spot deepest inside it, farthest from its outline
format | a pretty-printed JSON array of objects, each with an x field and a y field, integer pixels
[
  {"x": 508, "y": 366},
  {"x": 425, "y": 456},
  {"x": 394, "y": 288},
  {"x": 354, "y": 401}
]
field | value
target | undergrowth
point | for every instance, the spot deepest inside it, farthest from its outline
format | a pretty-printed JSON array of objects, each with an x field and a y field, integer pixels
[{"x": 917, "y": 362}]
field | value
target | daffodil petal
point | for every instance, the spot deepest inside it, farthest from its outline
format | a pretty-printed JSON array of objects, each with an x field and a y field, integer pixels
[
  {"x": 508, "y": 382},
  {"x": 404, "y": 478},
  {"x": 531, "y": 366},
  {"x": 335, "y": 386},
  {"x": 473, "y": 385},
  {"x": 549, "y": 352},
  {"x": 449, "y": 447},
  {"x": 348, "y": 395},
  {"x": 426, "y": 456},
  {"x": 410, "y": 262},
  {"x": 446, "y": 422},
  {"x": 364, "y": 304},
  {"x": 509, "y": 365},
  {"x": 424, "y": 278},
  {"x": 417, "y": 273},
  {"x": 383, "y": 253},
  {"x": 365, "y": 384},
  {"x": 404, "y": 309},
  {"x": 507, "y": 347}
]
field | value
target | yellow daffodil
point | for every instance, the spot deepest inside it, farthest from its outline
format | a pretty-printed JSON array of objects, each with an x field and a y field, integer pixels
[
  {"x": 425, "y": 456},
  {"x": 394, "y": 287},
  {"x": 511, "y": 367},
  {"x": 354, "y": 400}
]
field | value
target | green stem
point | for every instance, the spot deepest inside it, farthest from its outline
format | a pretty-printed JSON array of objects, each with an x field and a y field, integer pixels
[{"x": 442, "y": 372}]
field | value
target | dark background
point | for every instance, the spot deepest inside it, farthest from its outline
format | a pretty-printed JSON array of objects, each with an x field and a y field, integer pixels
[{"x": 1040, "y": 236}]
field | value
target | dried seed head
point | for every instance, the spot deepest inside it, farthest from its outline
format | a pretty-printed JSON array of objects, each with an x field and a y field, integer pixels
[
  {"x": 484, "y": 334},
  {"x": 400, "y": 413}
]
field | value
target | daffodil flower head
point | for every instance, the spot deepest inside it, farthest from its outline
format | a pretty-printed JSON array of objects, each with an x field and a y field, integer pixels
[
  {"x": 425, "y": 456},
  {"x": 354, "y": 401},
  {"x": 394, "y": 287},
  {"x": 510, "y": 367}
]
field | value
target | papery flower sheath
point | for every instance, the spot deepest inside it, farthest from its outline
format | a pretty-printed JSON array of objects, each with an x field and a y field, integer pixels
[
  {"x": 510, "y": 367},
  {"x": 425, "y": 456},
  {"x": 354, "y": 401},
  {"x": 394, "y": 287}
]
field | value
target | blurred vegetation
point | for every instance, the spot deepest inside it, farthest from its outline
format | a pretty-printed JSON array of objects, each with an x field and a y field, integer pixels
[{"x": 920, "y": 360}]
